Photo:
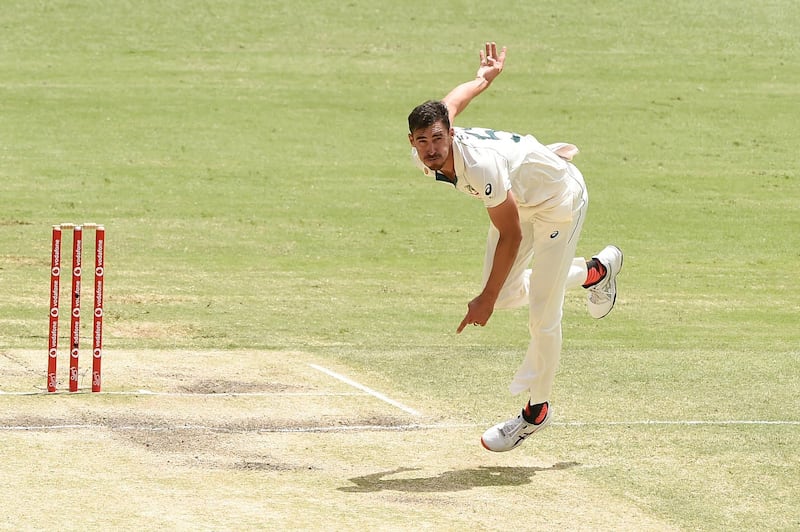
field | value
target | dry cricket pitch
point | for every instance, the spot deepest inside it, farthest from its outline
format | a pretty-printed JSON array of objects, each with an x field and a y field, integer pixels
[{"x": 235, "y": 440}]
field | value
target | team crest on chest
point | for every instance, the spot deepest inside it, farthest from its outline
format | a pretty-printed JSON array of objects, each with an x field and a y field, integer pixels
[{"x": 472, "y": 190}]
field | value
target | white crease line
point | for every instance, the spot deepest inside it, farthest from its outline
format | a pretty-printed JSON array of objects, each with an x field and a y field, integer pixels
[
  {"x": 237, "y": 394},
  {"x": 359, "y": 428},
  {"x": 440, "y": 426},
  {"x": 35, "y": 428},
  {"x": 363, "y": 388},
  {"x": 190, "y": 394},
  {"x": 677, "y": 422},
  {"x": 206, "y": 428}
]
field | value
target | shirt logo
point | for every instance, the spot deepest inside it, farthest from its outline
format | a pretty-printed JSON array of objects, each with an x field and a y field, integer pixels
[
  {"x": 554, "y": 234},
  {"x": 488, "y": 189}
]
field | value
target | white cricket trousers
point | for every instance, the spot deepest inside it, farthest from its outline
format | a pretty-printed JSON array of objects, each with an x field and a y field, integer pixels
[{"x": 549, "y": 240}]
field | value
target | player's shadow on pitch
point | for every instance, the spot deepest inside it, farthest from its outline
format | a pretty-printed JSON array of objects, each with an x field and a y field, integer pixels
[{"x": 459, "y": 480}]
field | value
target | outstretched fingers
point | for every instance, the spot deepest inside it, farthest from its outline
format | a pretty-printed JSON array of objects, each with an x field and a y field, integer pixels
[{"x": 491, "y": 58}]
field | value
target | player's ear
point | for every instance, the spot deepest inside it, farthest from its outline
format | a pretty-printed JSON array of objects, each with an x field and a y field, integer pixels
[{"x": 410, "y": 139}]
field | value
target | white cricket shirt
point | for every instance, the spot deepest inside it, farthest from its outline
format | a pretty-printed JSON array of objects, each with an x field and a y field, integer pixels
[{"x": 488, "y": 163}]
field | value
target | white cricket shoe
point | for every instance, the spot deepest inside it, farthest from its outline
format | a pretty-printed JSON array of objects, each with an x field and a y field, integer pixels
[
  {"x": 603, "y": 295},
  {"x": 509, "y": 434}
]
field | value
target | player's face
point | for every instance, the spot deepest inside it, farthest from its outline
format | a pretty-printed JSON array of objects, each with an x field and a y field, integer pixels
[{"x": 433, "y": 145}]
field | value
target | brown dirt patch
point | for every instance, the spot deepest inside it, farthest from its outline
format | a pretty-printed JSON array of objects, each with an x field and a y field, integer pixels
[{"x": 211, "y": 386}]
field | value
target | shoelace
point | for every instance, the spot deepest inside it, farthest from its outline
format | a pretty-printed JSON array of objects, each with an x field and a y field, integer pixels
[
  {"x": 600, "y": 292},
  {"x": 513, "y": 426}
]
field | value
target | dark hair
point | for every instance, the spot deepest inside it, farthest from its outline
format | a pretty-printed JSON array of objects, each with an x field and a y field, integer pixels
[{"x": 426, "y": 114}]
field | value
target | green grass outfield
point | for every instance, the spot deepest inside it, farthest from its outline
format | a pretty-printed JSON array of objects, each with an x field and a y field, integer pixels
[{"x": 250, "y": 163}]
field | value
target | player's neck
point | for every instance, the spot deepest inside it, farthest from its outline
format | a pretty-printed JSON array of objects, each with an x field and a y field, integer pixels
[{"x": 449, "y": 168}]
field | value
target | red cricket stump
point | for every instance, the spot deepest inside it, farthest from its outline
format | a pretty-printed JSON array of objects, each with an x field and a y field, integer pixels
[
  {"x": 55, "y": 286},
  {"x": 75, "y": 321},
  {"x": 97, "y": 335},
  {"x": 75, "y": 315}
]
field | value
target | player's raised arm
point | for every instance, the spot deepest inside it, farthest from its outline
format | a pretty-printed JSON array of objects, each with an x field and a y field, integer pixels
[{"x": 491, "y": 66}]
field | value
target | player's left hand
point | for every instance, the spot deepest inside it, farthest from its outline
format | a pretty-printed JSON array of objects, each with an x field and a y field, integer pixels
[
  {"x": 492, "y": 63},
  {"x": 479, "y": 310}
]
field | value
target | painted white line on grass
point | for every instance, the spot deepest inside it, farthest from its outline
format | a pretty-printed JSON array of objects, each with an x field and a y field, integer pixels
[
  {"x": 366, "y": 428},
  {"x": 363, "y": 388},
  {"x": 142, "y": 428},
  {"x": 191, "y": 394},
  {"x": 440, "y": 426},
  {"x": 676, "y": 422},
  {"x": 209, "y": 428},
  {"x": 235, "y": 394},
  {"x": 355, "y": 428},
  {"x": 35, "y": 428}
]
